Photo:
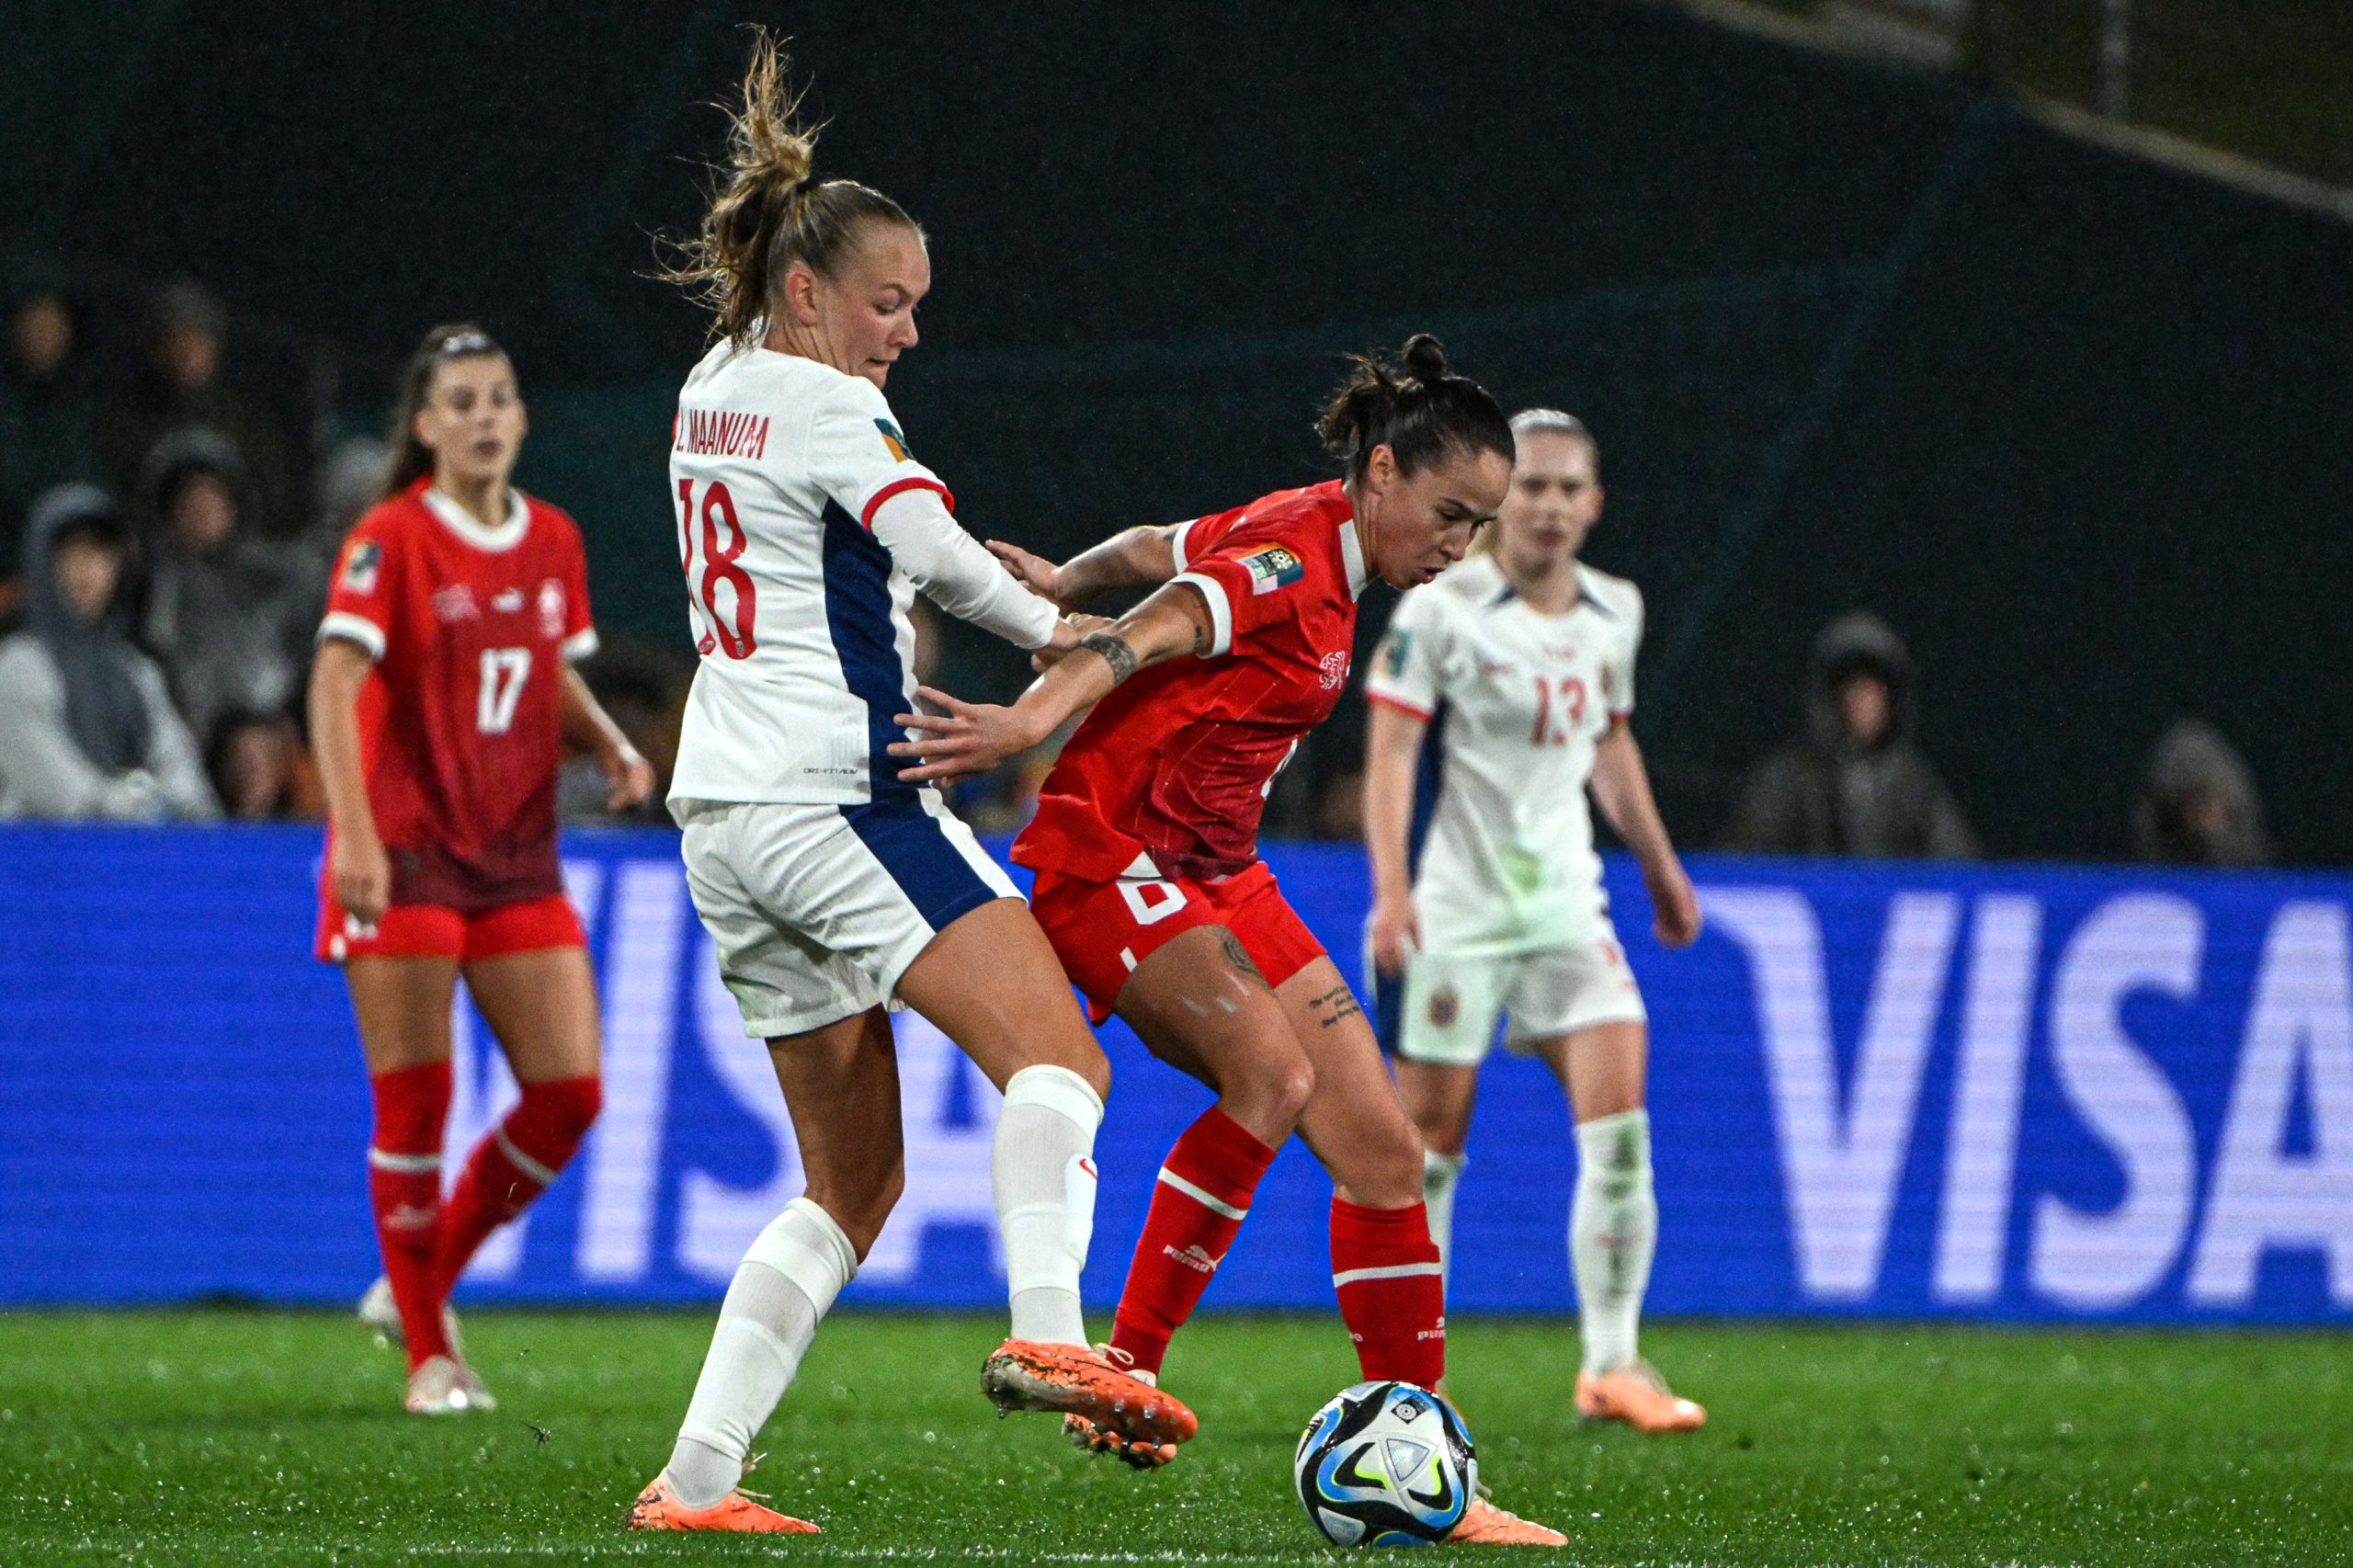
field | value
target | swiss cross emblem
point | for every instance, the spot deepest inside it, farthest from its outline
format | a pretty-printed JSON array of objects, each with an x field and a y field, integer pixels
[{"x": 550, "y": 608}]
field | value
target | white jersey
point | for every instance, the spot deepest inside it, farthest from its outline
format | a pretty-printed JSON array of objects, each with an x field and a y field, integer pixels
[
  {"x": 1501, "y": 844},
  {"x": 805, "y": 526}
]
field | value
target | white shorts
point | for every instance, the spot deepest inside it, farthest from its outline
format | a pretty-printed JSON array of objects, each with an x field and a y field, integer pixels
[
  {"x": 1447, "y": 1009},
  {"x": 818, "y": 910}
]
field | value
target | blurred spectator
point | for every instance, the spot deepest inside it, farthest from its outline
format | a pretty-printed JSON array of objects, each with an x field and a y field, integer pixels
[
  {"x": 86, "y": 729},
  {"x": 225, "y": 612},
  {"x": 45, "y": 415},
  {"x": 176, "y": 387},
  {"x": 259, "y": 769},
  {"x": 350, "y": 479},
  {"x": 1855, "y": 784},
  {"x": 2197, "y": 805}
]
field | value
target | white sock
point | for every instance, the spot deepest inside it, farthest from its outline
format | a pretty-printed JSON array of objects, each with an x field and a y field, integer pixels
[
  {"x": 783, "y": 1285},
  {"x": 1613, "y": 1232},
  {"x": 1439, "y": 1173},
  {"x": 1043, "y": 1169}
]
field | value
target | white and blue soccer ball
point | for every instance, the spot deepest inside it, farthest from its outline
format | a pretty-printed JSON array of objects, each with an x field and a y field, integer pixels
[{"x": 1386, "y": 1464}]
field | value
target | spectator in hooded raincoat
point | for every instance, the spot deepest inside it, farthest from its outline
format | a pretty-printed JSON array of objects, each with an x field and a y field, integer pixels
[
  {"x": 45, "y": 413},
  {"x": 86, "y": 729},
  {"x": 1854, "y": 783},
  {"x": 225, "y": 613},
  {"x": 2198, "y": 805}
]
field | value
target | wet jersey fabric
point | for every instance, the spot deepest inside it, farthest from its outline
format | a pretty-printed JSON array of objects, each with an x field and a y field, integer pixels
[
  {"x": 471, "y": 627},
  {"x": 1175, "y": 765},
  {"x": 1515, "y": 701}
]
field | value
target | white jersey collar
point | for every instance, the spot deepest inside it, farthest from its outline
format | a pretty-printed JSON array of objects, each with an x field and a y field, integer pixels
[
  {"x": 505, "y": 536},
  {"x": 1352, "y": 553}
]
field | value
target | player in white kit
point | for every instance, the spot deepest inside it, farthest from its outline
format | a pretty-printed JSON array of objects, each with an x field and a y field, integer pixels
[
  {"x": 832, "y": 891},
  {"x": 1500, "y": 694}
]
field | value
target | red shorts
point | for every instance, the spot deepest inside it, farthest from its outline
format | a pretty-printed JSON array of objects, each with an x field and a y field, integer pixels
[
  {"x": 436, "y": 931},
  {"x": 1102, "y": 930}
]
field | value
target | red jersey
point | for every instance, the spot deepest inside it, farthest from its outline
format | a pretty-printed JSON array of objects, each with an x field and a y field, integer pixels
[
  {"x": 1175, "y": 765},
  {"x": 470, "y": 628}
]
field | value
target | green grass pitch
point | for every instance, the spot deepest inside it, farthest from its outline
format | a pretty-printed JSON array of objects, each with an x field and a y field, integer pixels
[{"x": 252, "y": 1437}]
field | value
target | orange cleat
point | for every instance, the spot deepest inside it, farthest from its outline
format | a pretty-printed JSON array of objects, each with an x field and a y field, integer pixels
[
  {"x": 1483, "y": 1524},
  {"x": 1029, "y": 1374},
  {"x": 1136, "y": 1453},
  {"x": 1637, "y": 1395},
  {"x": 658, "y": 1508}
]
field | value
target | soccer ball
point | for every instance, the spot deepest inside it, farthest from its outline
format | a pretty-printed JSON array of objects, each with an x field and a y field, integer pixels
[{"x": 1386, "y": 1464}]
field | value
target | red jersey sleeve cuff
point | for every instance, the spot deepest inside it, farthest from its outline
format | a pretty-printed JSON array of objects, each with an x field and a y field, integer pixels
[
  {"x": 1410, "y": 710},
  {"x": 900, "y": 487},
  {"x": 1221, "y": 609},
  {"x": 353, "y": 628}
]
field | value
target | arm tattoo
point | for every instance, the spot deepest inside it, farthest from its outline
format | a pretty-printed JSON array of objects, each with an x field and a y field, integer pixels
[
  {"x": 1342, "y": 1001},
  {"x": 1239, "y": 957},
  {"x": 1201, "y": 640},
  {"x": 1114, "y": 652}
]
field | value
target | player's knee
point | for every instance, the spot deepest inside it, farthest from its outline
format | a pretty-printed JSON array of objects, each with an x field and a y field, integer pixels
[{"x": 1293, "y": 1086}]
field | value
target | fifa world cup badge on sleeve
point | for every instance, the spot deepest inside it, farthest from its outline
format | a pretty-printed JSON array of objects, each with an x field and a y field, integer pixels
[
  {"x": 1273, "y": 568},
  {"x": 896, "y": 440},
  {"x": 359, "y": 566}
]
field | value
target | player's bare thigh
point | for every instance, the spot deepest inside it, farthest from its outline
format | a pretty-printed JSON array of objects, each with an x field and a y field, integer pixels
[
  {"x": 1603, "y": 1068},
  {"x": 991, "y": 982},
  {"x": 541, "y": 1004},
  {"x": 402, "y": 1006},
  {"x": 1439, "y": 1095},
  {"x": 1353, "y": 1120},
  {"x": 1199, "y": 1004},
  {"x": 841, "y": 1087}
]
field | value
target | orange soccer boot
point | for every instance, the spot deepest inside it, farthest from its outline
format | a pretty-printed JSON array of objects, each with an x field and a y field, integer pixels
[
  {"x": 1637, "y": 1395},
  {"x": 658, "y": 1508},
  {"x": 1483, "y": 1524},
  {"x": 1029, "y": 1374}
]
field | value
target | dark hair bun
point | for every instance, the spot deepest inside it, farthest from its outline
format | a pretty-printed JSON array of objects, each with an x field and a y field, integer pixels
[{"x": 1425, "y": 358}]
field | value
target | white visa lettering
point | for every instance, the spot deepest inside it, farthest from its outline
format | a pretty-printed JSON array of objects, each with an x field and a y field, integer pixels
[
  {"x": 2300, "y": 1023},
  {"x": 717, "y": 1223},
  {"x": 624, "y": 1158},
  {"x": 1981, "y": 1148},
  {"x": 948, "y": 1181},
  {"x": 2105, "y": 1260},
  {"x": 1840, "y": 1172}
]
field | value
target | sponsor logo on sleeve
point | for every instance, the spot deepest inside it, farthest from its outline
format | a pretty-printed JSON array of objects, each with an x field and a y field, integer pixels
[
  {"x": 360, "y": 566},
  {"x": 896, "y": 440},
  {"x": 1273, "y": 568}
]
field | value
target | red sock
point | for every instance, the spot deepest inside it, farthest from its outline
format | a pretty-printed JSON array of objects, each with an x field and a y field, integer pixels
[
  {"x": 514, "y": 1163},
  {"x": 1197, "y": 1209},
  {"x": 405, "y": 1185},
  {"x": 1392, "y": 1295}
]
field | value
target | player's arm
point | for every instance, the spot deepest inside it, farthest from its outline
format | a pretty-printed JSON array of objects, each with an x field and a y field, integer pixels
[
  {"x": 967, "y": 738},
  {"x": 1142, "y": 557},
  {"x": 1393, "y": 749},
  {"x": 1621, "y": 788},
  {"x": 588, "y": 728},
  {"x": 359, "y": 871}
]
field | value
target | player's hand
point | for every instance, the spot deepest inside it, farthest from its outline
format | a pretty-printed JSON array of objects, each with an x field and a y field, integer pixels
[
  {"x": 1677, "y": 922},
  {"x": 1395, "y": 929},
  {"x": 964, "y": 739},
  {"x": 630, "y": 778},
  {"x": 1035, "y": 573},
  {"x": 361, "y": 874},
  {"x": 1067, "y": 632}
]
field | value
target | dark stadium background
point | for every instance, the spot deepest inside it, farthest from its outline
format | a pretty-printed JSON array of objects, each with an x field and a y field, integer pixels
[{"x": 1849, "y": 335}]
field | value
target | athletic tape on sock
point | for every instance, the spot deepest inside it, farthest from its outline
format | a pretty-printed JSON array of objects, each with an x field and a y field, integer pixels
[
  {"x": 806, "y": 1246},
  {"x": 1057, "y": 1089}
]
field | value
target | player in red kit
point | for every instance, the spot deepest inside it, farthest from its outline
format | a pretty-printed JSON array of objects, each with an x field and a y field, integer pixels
[
  {"x": 440, "y": 701},
  {"x": 1146, "y": 848}
]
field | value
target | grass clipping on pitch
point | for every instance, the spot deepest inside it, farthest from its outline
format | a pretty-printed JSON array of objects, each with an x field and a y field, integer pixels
[{"x": 251, "y": 1437}]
